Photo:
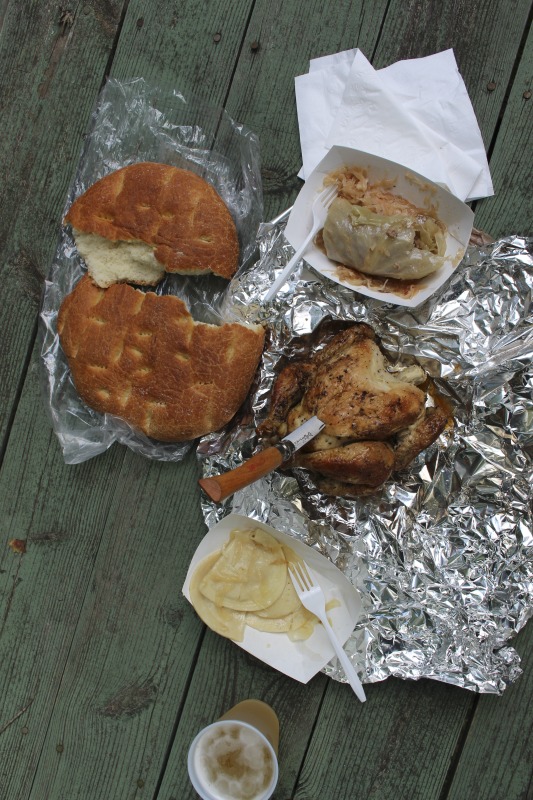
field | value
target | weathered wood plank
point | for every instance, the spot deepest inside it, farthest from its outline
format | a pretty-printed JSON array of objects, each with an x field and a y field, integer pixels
[
  {"x": 59, "y": 514},
  {"x": 397, "y": 746},
  {"x": 486, "y": 39},
  {"x": 510, "y": 211},
  {"x": 191, "y": 46},
  {"x": 262, "y": 92},
  {"x": 53, "y": 78},
  {"x": 134, "y": 645},
  {"x": 497, "y": 757},
  {"x": 3, "y": 7}
]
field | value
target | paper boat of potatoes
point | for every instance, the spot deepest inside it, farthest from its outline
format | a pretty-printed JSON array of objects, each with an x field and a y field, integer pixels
[{"x": 299, "y": 659}]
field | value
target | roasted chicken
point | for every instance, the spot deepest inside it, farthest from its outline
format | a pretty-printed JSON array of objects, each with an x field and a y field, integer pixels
[{"x": 376, "y": 421}]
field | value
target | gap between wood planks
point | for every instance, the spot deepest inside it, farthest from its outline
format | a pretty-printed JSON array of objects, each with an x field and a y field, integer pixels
[
  {"x": 18, "y": 392},
  {"x": 174, "y": 732},
  {"x": 456, "y": 757},
  {"x": 512, "y": 76},
  {"x": 309, "y": 740}
]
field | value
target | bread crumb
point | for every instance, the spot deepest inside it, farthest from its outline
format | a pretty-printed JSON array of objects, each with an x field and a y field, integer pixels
[{"x": 17, "y": 545}]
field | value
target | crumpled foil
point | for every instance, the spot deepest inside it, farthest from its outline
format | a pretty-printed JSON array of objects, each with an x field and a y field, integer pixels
[
  {"x": 443, "y": 555},
  {"x": 134, "y": 121}
]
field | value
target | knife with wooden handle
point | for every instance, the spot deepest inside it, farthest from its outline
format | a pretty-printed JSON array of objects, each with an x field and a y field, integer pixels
[{"x": 218, "y": 487}]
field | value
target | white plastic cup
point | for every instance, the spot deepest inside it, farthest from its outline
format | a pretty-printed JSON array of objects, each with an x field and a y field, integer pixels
[{"x": 247, "y": 735}]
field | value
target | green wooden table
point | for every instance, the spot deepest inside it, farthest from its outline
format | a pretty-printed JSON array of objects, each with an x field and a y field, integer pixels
[{"x": 106, "y": 673}]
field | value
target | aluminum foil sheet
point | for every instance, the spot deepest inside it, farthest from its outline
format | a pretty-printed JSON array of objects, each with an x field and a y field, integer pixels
[{"x": 443, "y": 555}]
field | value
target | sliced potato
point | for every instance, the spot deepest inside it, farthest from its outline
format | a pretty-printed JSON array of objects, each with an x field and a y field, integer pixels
[
  {"x": 225, "y": 621},
  {"x": 288, "y": 601},
  {"x": 250, "y": 574}
]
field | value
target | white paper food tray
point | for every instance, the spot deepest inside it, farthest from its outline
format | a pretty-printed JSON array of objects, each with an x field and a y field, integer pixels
[
  {"x": 299, "y": 660},
  {"x": 457, "y": 217}
]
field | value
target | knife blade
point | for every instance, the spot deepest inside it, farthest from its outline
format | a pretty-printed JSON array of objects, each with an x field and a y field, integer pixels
[{"x": 218, "y": 487}]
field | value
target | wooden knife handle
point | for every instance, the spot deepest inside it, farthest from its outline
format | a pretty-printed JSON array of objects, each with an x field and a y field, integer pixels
[{"x": 221, "y": 486}]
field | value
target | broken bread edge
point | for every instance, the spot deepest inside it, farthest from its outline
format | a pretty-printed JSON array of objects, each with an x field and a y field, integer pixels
[
  {"x": 173, "y": 211},
  {"x": 141, "y": 357}
]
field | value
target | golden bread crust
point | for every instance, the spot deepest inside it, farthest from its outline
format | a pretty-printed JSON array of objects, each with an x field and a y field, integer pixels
[
  {"x": 173, "y": 210},
  {"x": 142, "y": 357}
]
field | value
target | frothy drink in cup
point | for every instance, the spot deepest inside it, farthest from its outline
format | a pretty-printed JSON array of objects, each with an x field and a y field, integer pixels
[
  {"x": 233, "y": 761},
  {"x": 235, "y": 757}
]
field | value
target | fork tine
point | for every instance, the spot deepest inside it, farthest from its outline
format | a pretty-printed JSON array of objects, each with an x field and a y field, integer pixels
[
  {"x": 296, "y": 575},
  {"x": 321, "y": 203},
  {"x": 327, "y": 194},
  {"x": 300, "y": 572},
  {"x": 308, "y": 581}
]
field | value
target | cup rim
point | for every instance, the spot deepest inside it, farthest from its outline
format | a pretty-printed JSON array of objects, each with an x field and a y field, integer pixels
[{"x": 200, "y": 788}]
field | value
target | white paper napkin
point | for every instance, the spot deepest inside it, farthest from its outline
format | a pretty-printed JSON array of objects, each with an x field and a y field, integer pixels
[
  {"x": 415, "y": 112},
  {"x": 318, "y": 97}
]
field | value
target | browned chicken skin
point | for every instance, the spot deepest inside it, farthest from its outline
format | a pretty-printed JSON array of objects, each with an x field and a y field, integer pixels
[
  {"x": 364, "y": 465},
  {"x": 376, "y": 421}
]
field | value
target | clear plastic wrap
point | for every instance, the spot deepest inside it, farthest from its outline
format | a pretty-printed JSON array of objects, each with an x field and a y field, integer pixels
[
  {"x": 443, "y": 555},
  {"x": 135, "y": 122}
]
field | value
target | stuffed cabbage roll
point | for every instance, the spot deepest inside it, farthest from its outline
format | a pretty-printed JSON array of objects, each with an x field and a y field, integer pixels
[{"x": 404, "y": 245}]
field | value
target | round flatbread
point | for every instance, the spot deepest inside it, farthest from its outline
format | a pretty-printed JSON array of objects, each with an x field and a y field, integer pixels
[
  {"x": 177, "y": 214},
  {"x": 142, "y": 357}
]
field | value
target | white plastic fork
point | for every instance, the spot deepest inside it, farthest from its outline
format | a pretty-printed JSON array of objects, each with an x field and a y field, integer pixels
[
  {"x": 312, "y": 598},
  {"x": 320, "y": 210}
]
